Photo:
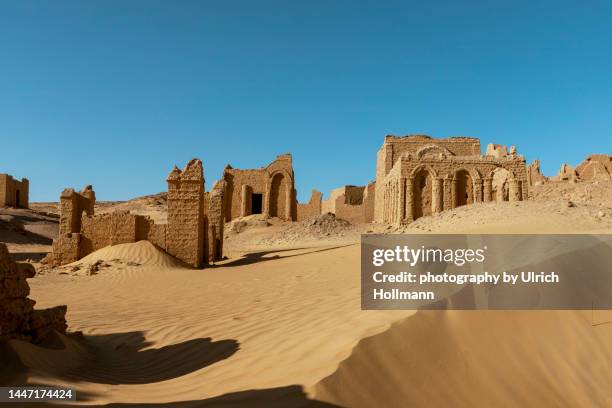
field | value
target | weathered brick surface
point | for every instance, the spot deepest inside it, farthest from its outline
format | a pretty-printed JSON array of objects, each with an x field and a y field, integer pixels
[
  {"x": 215, "y": 220},
  {"x": 312, "y": 208},
  {"x": 14, "y": 193},
  {"x": 18, "y": 319},
  {"x": 419, "y": 175},
  {"x": 194, "y": 232},
  {"x": 275, "y": 183},
  {"x": 596, "y": 167},
  {"x": 185, "y": 233}
]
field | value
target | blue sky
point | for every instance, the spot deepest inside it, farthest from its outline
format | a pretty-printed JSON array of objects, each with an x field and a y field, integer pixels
[{"x": 114, "y": 93}]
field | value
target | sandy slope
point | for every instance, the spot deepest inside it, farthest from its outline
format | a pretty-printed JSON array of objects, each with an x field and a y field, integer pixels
[{"x": 283, "y": 327}]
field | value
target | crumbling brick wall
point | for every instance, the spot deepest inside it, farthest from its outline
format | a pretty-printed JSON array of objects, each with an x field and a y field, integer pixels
[
  {"x": 394, "y": 147},
  {"x": 534, "y": 174},
  {"x": 14, "y": 193},
  {"x": 269, "y": 190},
  {"x": 185, "y": 233},
  {"x": 215, "y": 219},
  {"x": 596, "y": 167},
  {"x": 18, "y": 319},
  {"x": 312, "y": 208},
  {"x": 193, "y": 234},
  {"x": 432, "y": 175}
]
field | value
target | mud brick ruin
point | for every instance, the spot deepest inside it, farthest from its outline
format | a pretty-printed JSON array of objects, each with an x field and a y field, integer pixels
[
  {"x": 193, "y": 234},
  {"x": 14, "y": 193},
  {"x": 18, "y": 319},
  {"x": 352, "y": 203},
  {"x": 312, "y": 208},
  {"x": 596, "y": 167},
  {"x": 534, "y": 174},
  {"x": 268, "y": 190},
  {"x": 418, "y": 175}
]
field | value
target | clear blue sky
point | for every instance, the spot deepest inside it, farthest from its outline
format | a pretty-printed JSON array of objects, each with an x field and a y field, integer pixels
[{"x": 114, "y": 93}]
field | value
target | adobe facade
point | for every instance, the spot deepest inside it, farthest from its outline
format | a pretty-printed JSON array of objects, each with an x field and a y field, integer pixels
[
  {"x": 14, "y": 193},
  {"x": 352, "y": 203},
  {"x": 418, "y": 175},
  {"x": 193, "y": 233},
  {"x": 312, "y": 208},
  {"x": 269, "y": 190}
]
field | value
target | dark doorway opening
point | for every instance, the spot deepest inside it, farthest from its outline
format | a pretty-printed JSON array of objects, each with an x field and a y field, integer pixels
[
  {"x": 256, "y": 201},
  {"x": 17, "y": 201}
]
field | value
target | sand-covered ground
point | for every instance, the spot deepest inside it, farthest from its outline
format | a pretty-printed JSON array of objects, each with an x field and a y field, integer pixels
[{"x": 279, "y": 324}]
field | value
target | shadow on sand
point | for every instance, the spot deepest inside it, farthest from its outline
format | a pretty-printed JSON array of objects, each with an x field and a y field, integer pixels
[{"x": 255, "y": 257}]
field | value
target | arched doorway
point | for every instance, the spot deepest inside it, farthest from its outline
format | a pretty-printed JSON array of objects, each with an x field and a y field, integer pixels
[
  {"x": 278, "y": 196},
  {"x": 422, "y": 194},
  {"x": 500, "y": 188},
  {"x": 465, "y": 188}
]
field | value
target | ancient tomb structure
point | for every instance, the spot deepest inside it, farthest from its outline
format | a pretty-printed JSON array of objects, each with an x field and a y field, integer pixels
[
  {"x": 193, "y": 234},
  {"x": 352, "y": 203},
  {"x": 268, "y": 190},
  {"x": 418, "y": 175},
  {"x": 312, "y": 208},
  {"x": 14, "y": 193},
  {"x": 18, "y": 319},
  {"x": 596, "y": 167},
  {"x": 534, "y": 174}
]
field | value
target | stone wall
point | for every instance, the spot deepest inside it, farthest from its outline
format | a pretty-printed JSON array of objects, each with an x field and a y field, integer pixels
[
  {"x": 312, "y": 208},
  {"x": 18, "y": 319},
  {"x": 534, "y": 174},
  {"x": 268, "y": 190},
  {"x": 596, "y": 167},
  {"x": 215, "y": 217},
  {"x": 185, "y": 233},
  {"x": 352, "y": 203},
  {"x": 433, "y": 175},
  {"x": 193, "y": 234},
  {"x": 14, "y": 193},
  {"x": 394, "y": 147}
]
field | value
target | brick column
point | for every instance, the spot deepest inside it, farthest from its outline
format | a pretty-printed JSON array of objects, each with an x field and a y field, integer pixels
[
  {"x": 513, "y": 190},
  {"x": 288, "y": 204},
  {"x": 477, "y": 190},
  {"x": 437, "y": 198},
  {"x": 488, "y": 187},
  {"x": 408, "y": 205},
  {"x": 244, "y": 201},
  {"x": 447, "y": 195}
]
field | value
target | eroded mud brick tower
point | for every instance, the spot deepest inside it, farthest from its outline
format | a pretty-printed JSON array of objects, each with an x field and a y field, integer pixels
[{"x": 186, "y": 224}]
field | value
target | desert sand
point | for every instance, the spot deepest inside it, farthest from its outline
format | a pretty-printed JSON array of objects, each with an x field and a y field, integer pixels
[{"x": 279, "y": 322}]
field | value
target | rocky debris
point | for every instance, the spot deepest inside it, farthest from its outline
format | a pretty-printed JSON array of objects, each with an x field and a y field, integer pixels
[
  {"x": 18, "y": 319},
  {"x": 325, "y": 226},
  {"x": 597, "y": 193},
  {"x": 239, "y": 225}
]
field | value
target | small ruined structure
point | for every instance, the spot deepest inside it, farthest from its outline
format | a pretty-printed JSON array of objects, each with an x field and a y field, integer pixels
[
  {"x": 352, "y": 203},
  {"x": 534, "y": 174},
  {"x": 596, "y": 167},
  {"x": 418, "y": 175},
  {"x": 14, "y": 193},
  {"x": 18, "y": 319},
  {"x": 312, "y": 208},
  {"x": 566, "y": 173},
  {"x": 268, "y": 190},
  {"x": 193, "y": 234}
]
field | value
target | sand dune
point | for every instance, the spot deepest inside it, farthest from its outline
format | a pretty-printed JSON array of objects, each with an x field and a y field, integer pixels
[
  {"x": 281, "y": 325},
  {"x": 480, "y": 359}
]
